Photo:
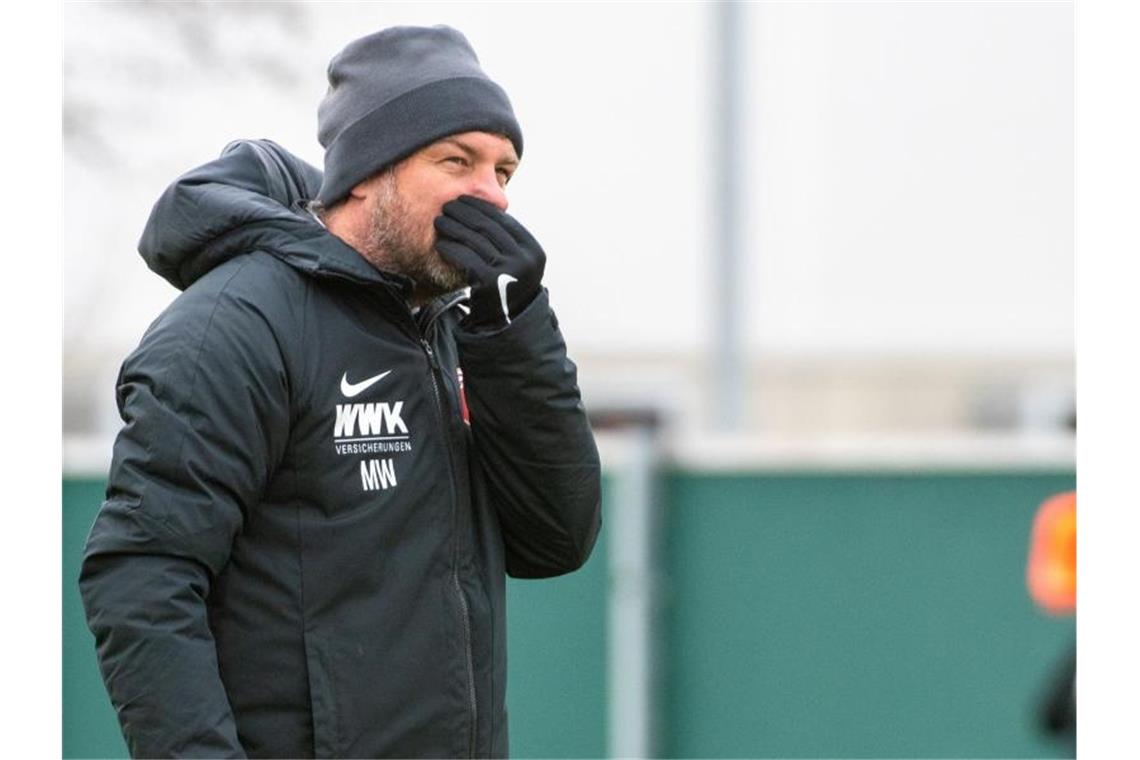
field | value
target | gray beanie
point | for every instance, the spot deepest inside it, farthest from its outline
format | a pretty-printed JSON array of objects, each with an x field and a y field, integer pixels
[{"x": 397, "y": 90}]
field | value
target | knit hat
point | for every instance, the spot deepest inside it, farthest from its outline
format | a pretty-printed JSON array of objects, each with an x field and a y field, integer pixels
[{"x": 397, "y": 90}]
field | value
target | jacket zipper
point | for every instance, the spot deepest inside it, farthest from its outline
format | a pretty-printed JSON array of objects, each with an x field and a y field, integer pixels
[
  {"x": 433, "y": 369},
  {"x": 470, "y": 658}
]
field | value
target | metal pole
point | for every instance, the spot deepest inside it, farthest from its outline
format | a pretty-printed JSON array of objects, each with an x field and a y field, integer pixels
[
  {"x": 631, "y": 671},
  {"x": 727, "y": 402}
]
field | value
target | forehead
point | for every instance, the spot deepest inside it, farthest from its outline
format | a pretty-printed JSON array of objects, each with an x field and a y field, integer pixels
[{"x": 484, "y": 143}]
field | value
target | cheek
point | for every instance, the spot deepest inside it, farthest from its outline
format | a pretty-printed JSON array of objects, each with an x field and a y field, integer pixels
[
  {"x": 424, "y": 199},
  {"x": 433, "y": 207}
]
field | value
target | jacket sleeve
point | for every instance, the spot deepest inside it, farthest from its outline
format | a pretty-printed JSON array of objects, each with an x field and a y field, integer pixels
[
  {"x": 533, "y": 442},
  {"x": 205, "y": 406}
]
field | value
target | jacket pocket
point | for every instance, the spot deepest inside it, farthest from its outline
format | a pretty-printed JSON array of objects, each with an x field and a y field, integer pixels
[{"x": 325, "y": 659}]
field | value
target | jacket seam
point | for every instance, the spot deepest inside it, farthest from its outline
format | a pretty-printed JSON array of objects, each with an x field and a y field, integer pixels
[
  {"x": 304, "y": 624},
  {"x": 198, "y": 355}
]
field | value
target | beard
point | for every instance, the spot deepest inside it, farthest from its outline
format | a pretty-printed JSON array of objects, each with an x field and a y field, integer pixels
[{"x": 397, "y": 242}]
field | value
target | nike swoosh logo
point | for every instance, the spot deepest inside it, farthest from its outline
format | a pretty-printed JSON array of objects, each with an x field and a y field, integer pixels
[
  {"x": 355, "y": 389},
  {"x": 504, "y": 281}
]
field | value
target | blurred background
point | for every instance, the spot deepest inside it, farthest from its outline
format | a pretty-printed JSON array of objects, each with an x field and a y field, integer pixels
[{"x": 815, "y": 264}]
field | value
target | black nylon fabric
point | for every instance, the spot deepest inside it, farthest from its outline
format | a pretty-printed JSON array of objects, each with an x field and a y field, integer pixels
[{"x": 304, "y": 545}]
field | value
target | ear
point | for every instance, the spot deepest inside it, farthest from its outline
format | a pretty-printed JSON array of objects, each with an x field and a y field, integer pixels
[
  {"x": 348, "y": 218},
  {"x": 362, "y": 190}
]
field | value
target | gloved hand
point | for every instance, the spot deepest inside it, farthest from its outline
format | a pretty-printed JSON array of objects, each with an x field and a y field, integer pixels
[{"x": 503, "y": 262}]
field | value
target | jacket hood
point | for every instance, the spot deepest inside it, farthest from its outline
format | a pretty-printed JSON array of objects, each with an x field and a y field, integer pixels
[{"x": 246, "y": 199}]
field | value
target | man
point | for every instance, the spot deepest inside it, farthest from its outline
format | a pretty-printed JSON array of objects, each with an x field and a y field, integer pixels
[{"x": 330, "y": 459}]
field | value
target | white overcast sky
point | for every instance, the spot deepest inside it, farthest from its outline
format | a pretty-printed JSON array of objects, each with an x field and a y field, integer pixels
[{"x": 909, "y": 170}]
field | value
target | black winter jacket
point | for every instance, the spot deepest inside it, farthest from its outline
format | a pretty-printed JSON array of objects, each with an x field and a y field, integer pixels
[{"x": 304, "y": 544}]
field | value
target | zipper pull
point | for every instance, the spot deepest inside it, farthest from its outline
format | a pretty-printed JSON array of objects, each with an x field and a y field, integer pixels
[{"x": 430, "y": 353}]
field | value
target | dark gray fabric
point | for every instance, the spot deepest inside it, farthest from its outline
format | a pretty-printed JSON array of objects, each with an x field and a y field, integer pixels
[
  {"x": 397, "y": 90},
  {"x": 255, "y": 586}
]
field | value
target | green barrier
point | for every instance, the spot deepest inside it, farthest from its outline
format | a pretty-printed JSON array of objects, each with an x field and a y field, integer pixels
[
  {"x": 556, "y": 662},
  {"x": 817, "y": 615},
  {"x": 856, "y": 616},
  {"x": 90, "y": 728}
]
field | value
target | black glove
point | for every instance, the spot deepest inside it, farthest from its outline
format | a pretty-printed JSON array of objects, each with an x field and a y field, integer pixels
[{"x": 503, "y": 261}]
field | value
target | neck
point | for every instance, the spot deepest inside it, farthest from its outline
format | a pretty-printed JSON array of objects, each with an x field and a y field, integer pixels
[{"x": 348, "y": 228}]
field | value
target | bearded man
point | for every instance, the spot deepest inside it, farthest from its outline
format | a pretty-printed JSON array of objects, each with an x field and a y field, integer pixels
[{"x": 332, "y": 454}]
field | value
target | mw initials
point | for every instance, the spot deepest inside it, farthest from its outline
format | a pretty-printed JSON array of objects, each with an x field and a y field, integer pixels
[{"x": 377, "y": 474}]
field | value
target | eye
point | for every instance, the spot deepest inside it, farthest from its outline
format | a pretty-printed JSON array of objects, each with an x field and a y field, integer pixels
[
  {"x": 457, "y": 160},
  {"x": 504, "y": 175}
]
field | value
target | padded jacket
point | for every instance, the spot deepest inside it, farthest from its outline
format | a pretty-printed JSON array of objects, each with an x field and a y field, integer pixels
[{"x": 317, "y": 493}]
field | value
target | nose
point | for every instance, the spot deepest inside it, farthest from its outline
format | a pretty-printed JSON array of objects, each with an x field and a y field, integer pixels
[{"x": 485, "y": 185}]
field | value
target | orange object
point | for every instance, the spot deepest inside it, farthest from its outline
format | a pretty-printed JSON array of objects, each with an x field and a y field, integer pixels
[{"x": 1052, "y": 570}]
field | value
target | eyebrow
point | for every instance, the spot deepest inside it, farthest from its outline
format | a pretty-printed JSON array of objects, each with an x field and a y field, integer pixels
[{"x": 473, "y": 152}]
